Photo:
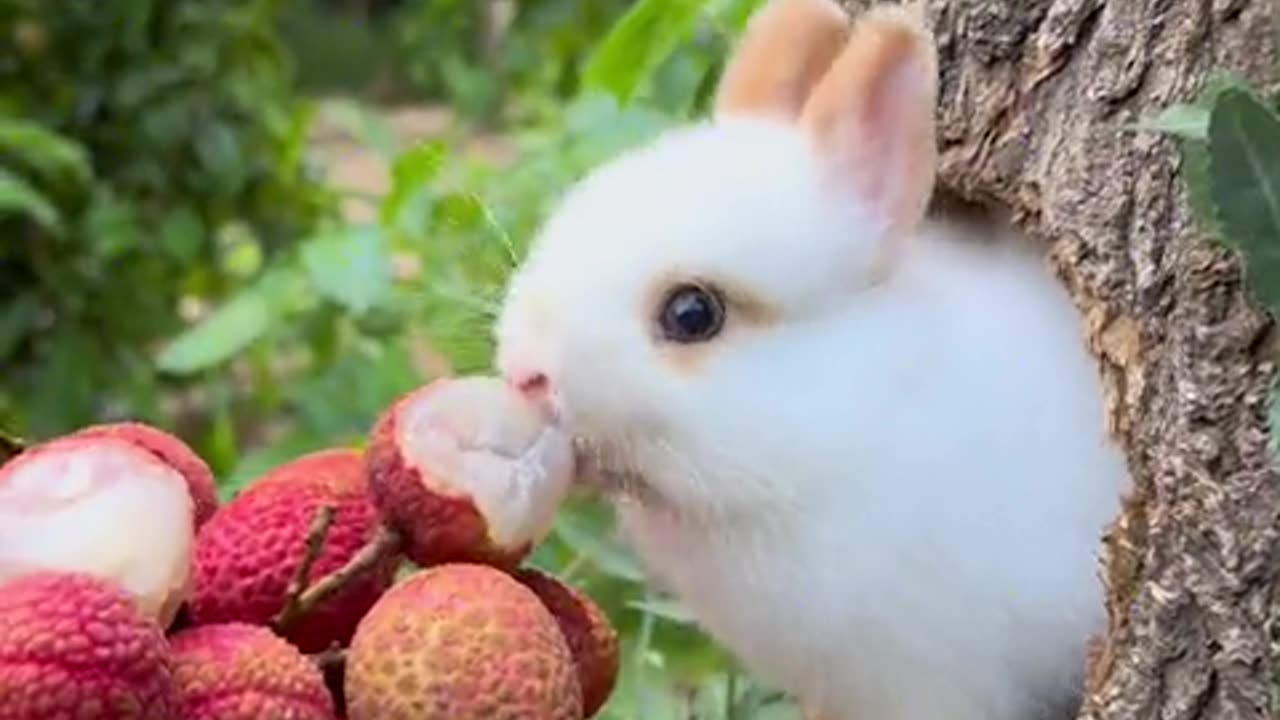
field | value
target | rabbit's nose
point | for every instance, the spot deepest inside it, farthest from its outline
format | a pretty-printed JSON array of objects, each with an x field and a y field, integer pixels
[
  {"x": 528, "y": 382},
  {"x": 534, "y": 385}
]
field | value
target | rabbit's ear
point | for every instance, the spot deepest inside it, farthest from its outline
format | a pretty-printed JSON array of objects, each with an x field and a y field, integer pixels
[
  {"x": 872, "y": 115},
  {"x": 785, "y": 48}
]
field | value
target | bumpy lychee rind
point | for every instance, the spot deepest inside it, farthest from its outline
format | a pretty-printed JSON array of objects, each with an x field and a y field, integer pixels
[
  {"x": 73, "y": 645},
  {"x": 103, "y": 506},
  {"x": 591, "y": 637},
  {"x": 461, "y": 642},
  {"x": 435, "y": 528},
  {"x": 247, "y": 554},
  {"x": 467, "y": 501},
  {"x": 173, "y": 450},
  {"x": 235, "y": 671}
]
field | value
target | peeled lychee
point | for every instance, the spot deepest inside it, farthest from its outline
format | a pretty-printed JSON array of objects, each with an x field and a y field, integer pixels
[
  {"x": 104, "y": 506},
  {"x": 248, "y": 553},
  {"x": 235, "y": 671},
  {"x": 75, "y": 646},
  {"x": 461, "y": 642},
  {"x": 467, "y": 471},
  {"x": 171, "y": 449},
  {"x": 592, "y": 639}
]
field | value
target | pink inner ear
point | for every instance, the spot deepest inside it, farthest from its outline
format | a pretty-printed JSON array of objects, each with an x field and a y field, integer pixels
[
  {"x": 872, "y": 116},
  {"x": 787, "y": 47}
]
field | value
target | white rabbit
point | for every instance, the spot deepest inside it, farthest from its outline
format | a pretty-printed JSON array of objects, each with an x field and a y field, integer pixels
[{"x": 866, "y": 449}]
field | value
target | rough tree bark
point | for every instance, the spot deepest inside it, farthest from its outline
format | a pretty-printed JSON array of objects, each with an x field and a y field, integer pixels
[{"x": 1034, "y": 97}]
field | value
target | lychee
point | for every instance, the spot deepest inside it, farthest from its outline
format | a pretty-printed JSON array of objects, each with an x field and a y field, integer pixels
[
  {"x": 75, "y": 646},
  {"x": 101, "y": 505},
  {"x": 249, "y": 552},
  {"x": 460, "y": 642},
  {"x": 171, "y": 449},
  {"x": 467, "y": 471},
  {"x": 592, "y": 639},
  {"x": 235, "y": 671}
]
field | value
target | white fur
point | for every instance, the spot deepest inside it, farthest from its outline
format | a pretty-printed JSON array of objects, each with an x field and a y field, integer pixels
[{"x": 889, "y": 502}]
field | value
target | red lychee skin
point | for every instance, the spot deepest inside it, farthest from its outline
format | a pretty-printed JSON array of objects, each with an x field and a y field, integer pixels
[
  {"x": 247, "y": 554},
  {"x": 172, "y": 450},
  {"x": 592, "y": 638},
  {"x": 236, "y": 671},
  {"x": 460, "y": 642},
  {"x": 75, "y": 646},
  {"x": 436, "y": 528}
]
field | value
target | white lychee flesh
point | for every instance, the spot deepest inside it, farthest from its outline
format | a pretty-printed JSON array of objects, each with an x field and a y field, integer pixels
[
  {"x": 103, "y": 507},
  {"x": 476, "y": 437}
]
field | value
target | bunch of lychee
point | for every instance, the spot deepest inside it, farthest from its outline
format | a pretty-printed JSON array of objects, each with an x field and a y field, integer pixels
[{"x": 387, "y": 583}]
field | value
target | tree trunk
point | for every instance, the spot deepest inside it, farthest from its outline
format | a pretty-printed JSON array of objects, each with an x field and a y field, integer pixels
[{"x": 1035, "y": 94}]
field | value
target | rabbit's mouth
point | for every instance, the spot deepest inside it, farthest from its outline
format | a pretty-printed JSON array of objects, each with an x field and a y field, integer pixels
[{"x": 605, "y": 467}]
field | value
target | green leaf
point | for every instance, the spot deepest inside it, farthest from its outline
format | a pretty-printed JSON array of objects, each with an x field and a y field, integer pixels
[
  {"x": 587, "y": 532},
  {"x": 225, "y": 332},
  {"x": 405, "y": 206},
  {"x": 45, "y": 151},
  {"x": 419, "y": 164},
  {"x": 218, "y": 148},
  {"x": 1220, "y": 81},
  {"x": 669, "y": 610},
  {"x": 734, "y": 14},
  {"x": 254, "y": 464},
  {"x": 1191, "y": 120},
  {"x": 145, "y": 83},
  {"x": 1195, "y": 178},
  {"x": 457, "y": 211},
  {"x": 1183, "y": 120},
  {"x": 649, "y": 32},
  {"x": 601, "y": 129},
  {"x": 182, "y": 234},
  {"x": 1244, "y": 171},
  {"x": 240, "y": 253},
  {"x": 110, "y": 225},
  {"x": 218, "y": 446},
  {"x": 17, "y": 317},
  {"x": 351, "y": 266},
  {"x": 19, "y": 196}
]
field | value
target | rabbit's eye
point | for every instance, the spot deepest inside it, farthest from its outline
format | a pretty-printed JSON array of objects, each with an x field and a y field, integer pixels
[{"x": 691, "y": 313}]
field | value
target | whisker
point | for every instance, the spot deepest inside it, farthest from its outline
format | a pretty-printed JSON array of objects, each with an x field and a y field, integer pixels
[
  {"x": 764, "y": 480},
  {"x": 621, "y": 463},
  {"x": 753, "y": 547}
]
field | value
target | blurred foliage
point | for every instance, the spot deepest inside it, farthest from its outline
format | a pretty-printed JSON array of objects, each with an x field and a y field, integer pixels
[
  {"x": 335, "y": 53},
  {"x": 150, "y": 150},
  {"x": 466, "y": 53}
]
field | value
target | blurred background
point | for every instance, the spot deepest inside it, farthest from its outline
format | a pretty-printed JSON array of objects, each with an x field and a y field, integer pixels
[{"x": 256, "y": 222}]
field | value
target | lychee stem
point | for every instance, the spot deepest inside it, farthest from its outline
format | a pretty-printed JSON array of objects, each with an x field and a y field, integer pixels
[
  {"x": 325, "y": 659},
  {"x": 332, "y": 664},
  {"x": 384, "y": 542},
  {"x": 313, "y": 544}
]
